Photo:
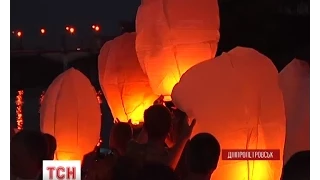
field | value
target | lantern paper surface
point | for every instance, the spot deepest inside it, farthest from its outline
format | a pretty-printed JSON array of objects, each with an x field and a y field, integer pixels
[
  {"x": 71, "y": 113},
  {"x": 295, "y": 84},
  {"x": 180, "y": 34},
  {"x": 123, "y": 82},
  {"x": 236, "y": 98}
]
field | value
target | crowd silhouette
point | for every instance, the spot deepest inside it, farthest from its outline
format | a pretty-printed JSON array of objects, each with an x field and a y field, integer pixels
[{"x": 162, "y": 151}]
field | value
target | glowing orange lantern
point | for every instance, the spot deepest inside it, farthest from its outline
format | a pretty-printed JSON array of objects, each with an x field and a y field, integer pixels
[
  {"x": 295, "y": 84},
  {"x": 123, "y": 82},
  {"x": 180, "y": 34},
  {"x": 236, "y": 97},
  {"x": 70, "y": 111}
]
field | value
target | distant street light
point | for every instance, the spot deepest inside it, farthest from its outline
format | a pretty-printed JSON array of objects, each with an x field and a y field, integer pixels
[
  {"x": 71, "y": 30},
  {"x": 67, "y": 28},
  {"x": 96, "y": 28},
  {"x": 43, "y": 31},
  {"x": 19, "y": 34}
]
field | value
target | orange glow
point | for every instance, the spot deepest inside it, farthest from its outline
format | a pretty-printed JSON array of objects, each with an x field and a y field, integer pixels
[
  {"x": 71, "y": 30},
  {"x": 42, "y": 31},
  {"x": 172, "y": 42},
  {"x": 125, "y": 86},
  {"x": 236, "y": 97},
  {"x": 73, "y": 117},
  {"x": 67, "y": 28},
  {"x": 93, "y": 26},
  {"x": 19, "y": 33},
  {"x": 19, "y": 103},
  {"x": 99, "y": 94}
]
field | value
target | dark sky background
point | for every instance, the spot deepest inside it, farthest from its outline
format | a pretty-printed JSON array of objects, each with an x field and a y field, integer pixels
[{"x": 31, "y": 15}]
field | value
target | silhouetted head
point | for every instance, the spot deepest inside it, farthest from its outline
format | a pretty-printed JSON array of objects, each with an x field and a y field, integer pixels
[
  {"x": 28, "y": 150},
  {"x": 297, "y": 167},
  {"x": 156, "y": 171},
  {"x": 121, "y": 133},
  {"x": 202, "y": 154},
  {"x": 157, "y": 122},
  {"x": 51, "y": 144}
]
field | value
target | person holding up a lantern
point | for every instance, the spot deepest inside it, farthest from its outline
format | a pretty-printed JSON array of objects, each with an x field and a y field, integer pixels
[{"x": 157, "y": 124}]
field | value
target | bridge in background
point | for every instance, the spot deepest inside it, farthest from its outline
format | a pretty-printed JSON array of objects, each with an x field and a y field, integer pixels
[{"x": 63, "y": 57}]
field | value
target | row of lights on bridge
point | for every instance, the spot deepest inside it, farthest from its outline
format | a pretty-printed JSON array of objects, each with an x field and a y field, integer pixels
[{"x": 69, "y": 29}]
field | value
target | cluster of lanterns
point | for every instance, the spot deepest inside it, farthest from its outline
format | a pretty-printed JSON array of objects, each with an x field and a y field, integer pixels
[
  {"x": 69, "y": 29},
  {"x": 235, "y": 96}
]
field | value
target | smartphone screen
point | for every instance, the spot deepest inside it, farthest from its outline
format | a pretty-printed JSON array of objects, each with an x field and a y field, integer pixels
[{"x": 105, "y": 151}]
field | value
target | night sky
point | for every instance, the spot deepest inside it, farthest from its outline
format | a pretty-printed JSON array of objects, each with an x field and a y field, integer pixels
[{"x": 30, "y": 16}]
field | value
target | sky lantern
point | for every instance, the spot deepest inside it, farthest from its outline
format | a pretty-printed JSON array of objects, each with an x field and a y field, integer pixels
[
  {"x": 71, "y": 113},
  {"x": 236, "y": 98},
  {"x": 295, "y": 84},
  {"x": 180, "y": 34},
  {"x": 123, "y": 82}
]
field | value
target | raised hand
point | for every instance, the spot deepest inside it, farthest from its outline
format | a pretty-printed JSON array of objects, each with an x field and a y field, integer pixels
[
  {"x": 160, "y": 100},
  {"x": 184, "y": 130},
  {"x": 116, "y": 121}
]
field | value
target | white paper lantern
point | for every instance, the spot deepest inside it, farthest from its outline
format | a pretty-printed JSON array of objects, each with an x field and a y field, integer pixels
[
  {"x": 236, "y": 98},
  {"x": 295, "y": 84},
  {"x": 123, "y": 82},
  {"x": 71, "y": 113},
  {"x": 180, "y": 34}
]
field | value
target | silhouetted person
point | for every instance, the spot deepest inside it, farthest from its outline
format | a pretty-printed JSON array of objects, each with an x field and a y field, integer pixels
[
  {"x": 157, "y": 124},
  {"x": 120, "y": 135},
  {"x": 156, "y": 171},
  {"x": 202, "y": 156},
  {"x": 297, "y": 167},
  {"x": 52, "y": 145},
  {"x": 28, "y": 150}
]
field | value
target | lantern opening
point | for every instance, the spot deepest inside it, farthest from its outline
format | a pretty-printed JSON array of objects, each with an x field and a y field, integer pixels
[{"x": 167, "y": 98}]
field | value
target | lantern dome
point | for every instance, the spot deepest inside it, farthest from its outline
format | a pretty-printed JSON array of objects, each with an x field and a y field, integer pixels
[
  {"x": 123, "y": 82},
  {"x": 236, "y": 98},
  {"x": 180, "y": 34},
  {"x": 71, "y": 113}
]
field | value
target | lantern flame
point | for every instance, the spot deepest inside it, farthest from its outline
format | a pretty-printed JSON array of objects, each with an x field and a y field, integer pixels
[{"x": 19, "y": 103}]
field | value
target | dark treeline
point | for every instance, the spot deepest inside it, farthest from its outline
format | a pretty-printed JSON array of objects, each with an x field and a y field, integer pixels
[{"x": 275, "y": 31}]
